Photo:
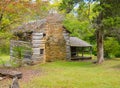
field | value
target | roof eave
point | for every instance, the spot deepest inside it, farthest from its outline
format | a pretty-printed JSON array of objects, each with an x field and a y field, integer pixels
[{"x": 80, "y": 46}]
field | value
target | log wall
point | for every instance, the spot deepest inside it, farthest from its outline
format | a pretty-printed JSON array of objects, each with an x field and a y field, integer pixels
[
  {"x": 38, "y": 43},
  {"x": 26, "y": 52},
  {"x": 67, "y": 39},
  {"x": 55, "y": 45}
]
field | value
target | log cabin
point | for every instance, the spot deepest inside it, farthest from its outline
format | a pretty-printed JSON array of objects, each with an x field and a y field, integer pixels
[{"x": 47, "y": 40}]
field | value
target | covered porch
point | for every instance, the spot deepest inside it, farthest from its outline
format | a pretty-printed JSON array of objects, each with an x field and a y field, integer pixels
[{"x": 80, "y": 50}]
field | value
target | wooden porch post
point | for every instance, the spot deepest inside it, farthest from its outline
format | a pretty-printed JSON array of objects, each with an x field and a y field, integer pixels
[
  {"x": 82, "y": 51},
  {"x": 77, "y": 51},
  {"x": 90, "y": 51}
]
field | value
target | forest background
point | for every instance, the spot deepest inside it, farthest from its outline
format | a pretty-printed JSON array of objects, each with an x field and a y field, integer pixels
[{"x": 81, "y": 19}]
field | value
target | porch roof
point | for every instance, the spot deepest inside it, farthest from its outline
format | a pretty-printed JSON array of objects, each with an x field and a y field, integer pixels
[{"x": 76, "y": 42}]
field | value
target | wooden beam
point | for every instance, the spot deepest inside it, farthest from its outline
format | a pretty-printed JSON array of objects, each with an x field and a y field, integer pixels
[{"x": 10, "y": 73}]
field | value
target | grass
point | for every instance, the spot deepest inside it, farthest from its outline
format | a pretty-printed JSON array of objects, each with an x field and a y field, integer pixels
[
  {"x": 63, "y": 74},
  {"x": 4, "y": 58}
]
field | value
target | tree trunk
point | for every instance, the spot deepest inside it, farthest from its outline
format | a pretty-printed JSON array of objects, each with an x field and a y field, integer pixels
[{"x": 100, "y": 49}]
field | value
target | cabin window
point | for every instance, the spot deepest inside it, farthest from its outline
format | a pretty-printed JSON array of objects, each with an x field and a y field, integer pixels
[
  {"x": 44, "y": 34},
  {"x": 41, "y": 51}
]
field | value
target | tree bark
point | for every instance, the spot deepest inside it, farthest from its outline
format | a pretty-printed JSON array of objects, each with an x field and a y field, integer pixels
[
  {"x": 100, "y": 33},
  {"x": 15, "y": 83},
  {"x": 100, "y": 48}
]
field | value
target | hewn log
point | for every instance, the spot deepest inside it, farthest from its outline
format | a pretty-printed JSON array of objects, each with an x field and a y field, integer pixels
[
  {"x": 38, "y": 34},
  {"x": 38, "y": 45},
  {"x": 15, "y": 41},
  {"x": 37, "y": 56},
  {"x": 11, "y": 74},
  {"x": 37, "y": 37},
  {"x": 36, "y": 50},
  {"x": 38, "y": 41}
]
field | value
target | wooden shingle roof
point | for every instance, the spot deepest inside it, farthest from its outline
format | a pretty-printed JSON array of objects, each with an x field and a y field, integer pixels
[
  {"x": 30, "y": 26},
  {"x": 36, "y": 25},
  {"x": 74, "y": 41}
]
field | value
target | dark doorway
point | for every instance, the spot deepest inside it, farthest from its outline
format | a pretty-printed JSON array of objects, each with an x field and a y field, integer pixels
[{"x": 73, "y": 51}]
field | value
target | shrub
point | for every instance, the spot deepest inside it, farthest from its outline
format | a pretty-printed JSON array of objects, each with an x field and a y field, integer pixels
[
  {"x": 19, "y": 53},
  {"x": 4, "y": 47},
  {"x": 2, "y": 63},
  {"x": 111, "y": 47},
  {"x": 5, "y": 37}
]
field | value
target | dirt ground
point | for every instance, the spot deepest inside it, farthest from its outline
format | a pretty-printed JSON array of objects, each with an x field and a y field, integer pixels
[{"x": 27, "y": 75}]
